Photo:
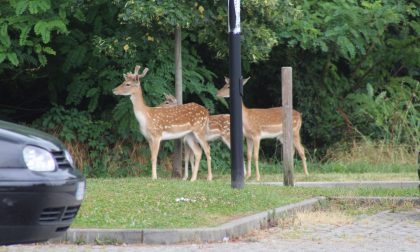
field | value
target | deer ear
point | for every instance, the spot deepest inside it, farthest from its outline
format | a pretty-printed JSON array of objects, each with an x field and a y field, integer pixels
[
  {"x": 125, "y": 76},
  {"x": 226, "y": 79},
  {"x": 246, "y": 80}
]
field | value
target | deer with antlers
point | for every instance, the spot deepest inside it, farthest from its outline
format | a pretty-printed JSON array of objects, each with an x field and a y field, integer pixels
[
  {"x": 165, "y": 123},
  {"x": 265, "y": 123},
  {"x": 219, "y": 128}
]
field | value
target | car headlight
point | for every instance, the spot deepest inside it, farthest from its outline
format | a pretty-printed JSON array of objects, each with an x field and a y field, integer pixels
[
  {"x": 38, "y": 159},
  {"x": 69, "y": 158}
]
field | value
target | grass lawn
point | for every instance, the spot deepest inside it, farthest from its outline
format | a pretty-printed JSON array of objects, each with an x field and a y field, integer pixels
[
  {"x": 143, "y": 203},
  {"x": 335, "y": 176}
]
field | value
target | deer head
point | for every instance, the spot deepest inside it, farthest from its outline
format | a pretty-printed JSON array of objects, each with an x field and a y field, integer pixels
[
  {"x": 170, "y": 100},
  {"x": 131, "y": 82},
  {"x": 225, "y": 90}
]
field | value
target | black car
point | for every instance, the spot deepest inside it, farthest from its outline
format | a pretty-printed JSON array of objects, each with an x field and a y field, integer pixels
[{"x": 40, "y": 188}]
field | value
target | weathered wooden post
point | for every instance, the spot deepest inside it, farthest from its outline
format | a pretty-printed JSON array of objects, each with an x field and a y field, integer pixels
[
  {"x": 177, "y": 162},
  {"x": 287, "y": 102}
]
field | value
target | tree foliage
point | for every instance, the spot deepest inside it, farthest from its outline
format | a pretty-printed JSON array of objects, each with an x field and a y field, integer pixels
[
  {"x": 26, "y": 28},
  {"x": 356, "y": 63}
]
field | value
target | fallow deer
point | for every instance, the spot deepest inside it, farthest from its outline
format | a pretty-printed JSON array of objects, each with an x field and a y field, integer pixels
[
  {"x": 165, "y": 123},
  {"x": 219, "y": 128},
  {"x": 265, "y": 123}
]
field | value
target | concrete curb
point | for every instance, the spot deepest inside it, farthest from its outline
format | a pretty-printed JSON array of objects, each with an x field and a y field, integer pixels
[
  {"x": 376, "y": 200},
  {"x": 229, "y": 230},
  {"x": 353, "y": 184},
  {"x": 234, "y": 228}
]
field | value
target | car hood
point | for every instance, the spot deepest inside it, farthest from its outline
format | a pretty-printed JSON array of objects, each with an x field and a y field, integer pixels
[{"x": 11, "y": 133}]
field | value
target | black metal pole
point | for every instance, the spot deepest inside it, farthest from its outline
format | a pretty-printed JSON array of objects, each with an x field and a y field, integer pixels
[{"x": 237, "y": 160}]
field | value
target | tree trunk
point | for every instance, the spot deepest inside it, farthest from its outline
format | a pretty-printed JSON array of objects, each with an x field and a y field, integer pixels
[{"x": 177, "y": 162}]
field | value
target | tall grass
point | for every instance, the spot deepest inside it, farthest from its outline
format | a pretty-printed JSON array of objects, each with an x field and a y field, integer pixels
[{"x": 372, "y": 152}]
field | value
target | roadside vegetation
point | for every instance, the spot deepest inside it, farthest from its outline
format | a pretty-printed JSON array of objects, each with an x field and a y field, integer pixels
[
  {"x": 167, "y": 203},
  {"x": 355, "y": 66}
]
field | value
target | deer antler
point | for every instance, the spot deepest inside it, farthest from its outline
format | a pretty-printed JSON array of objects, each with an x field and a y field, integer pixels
[
  {"x": 136, "y": 70},
  {"x": 144, "y": 72}
]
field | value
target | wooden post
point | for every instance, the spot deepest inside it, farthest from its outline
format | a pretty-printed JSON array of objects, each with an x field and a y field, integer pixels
[
  {"x": 177, "y": 162},
  {"x": 287, "y": 102}
]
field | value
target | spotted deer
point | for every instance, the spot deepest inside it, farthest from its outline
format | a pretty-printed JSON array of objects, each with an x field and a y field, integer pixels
[
  {"x": 219, "y": 128},
  {"x": 165, "y": 123},
  {"x": 265, "y": 123}
]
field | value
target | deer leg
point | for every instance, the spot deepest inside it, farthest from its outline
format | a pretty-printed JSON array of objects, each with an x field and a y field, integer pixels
[
  {"x": 201, "y": 138},
  {"x": 256, "y": 142},
  {"x": 187, "y": 154},
  {"x": 195, "y": 153},
  {"x": 249, "y": 146},
  {"x": 192, "y": 158},
  {"x": 301, "y": 151},
  {"x": 154, "y": 150}
]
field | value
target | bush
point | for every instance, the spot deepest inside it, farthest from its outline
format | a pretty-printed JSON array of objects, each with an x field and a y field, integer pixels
[{"x": 94, "y": 144}]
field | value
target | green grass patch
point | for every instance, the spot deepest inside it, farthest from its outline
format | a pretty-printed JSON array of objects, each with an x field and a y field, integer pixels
[
  {"x": 340, "y": 167},
  {"x": 333, "y": 176},
  {"x": 143, "y": 203}
]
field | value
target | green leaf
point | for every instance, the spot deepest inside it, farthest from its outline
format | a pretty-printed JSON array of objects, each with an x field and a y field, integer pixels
[
  {"x": 38, "y": 48},
  {"x": 24, "y": 35},
  {"x": 2, "y": 57},
  {"x": 42, "y": 59},
  {"x": 41, "y": 28},
  {"x": 79, "y": 15},
  {"x": 346, "y": 46},
  {"x": 4, "y": 36},
  {"x": 49, "y": 50},
  {"x": 91, "y": 92},
  {"x": 58, "y": 25},
  {"x": 38, "y": 6},
  {"x": 324, "y": 46},
  {"x": 21, "y": 7},
  {"x": 12, "y": 57}
]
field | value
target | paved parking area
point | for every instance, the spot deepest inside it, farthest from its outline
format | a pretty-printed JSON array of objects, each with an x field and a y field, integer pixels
[{"x": 385, "y": 231}]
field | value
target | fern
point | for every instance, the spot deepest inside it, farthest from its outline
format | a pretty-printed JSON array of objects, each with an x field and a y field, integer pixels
[
  {"x": 21, "y": 6},
  {"x": 346, "y": 47},
  {"x": 12, "y": 57},
  {"x": 4, "y": 36},
  {"x": 49, "y": 50},
  {"x": 78, "y": 88},
  {"x": 37, "y": 6},
  {"x": 44, "y": 28},
  {"x": 58, "y": 25},
  {"x": 2, "y": 57},
  {"x": 24, "y": 35},
  {"x": 74, "y": 58}
]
